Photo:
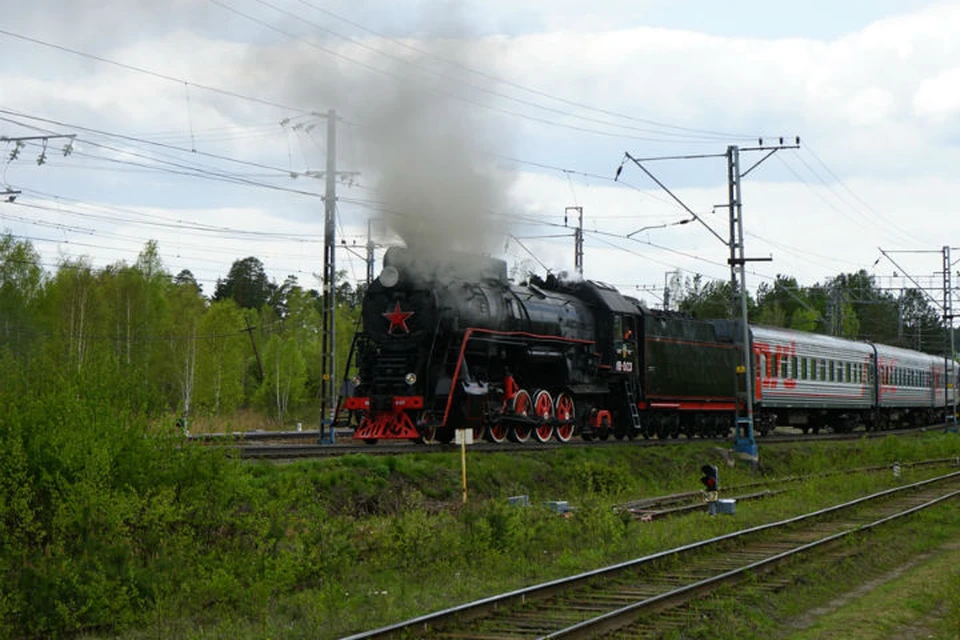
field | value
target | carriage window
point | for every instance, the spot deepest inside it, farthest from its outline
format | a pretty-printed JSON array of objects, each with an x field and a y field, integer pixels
[
  {"x": 784, "y": 367},
  {"x": 847, "y": 367},
  {"x": 822, "y": 370},
  {"x": 793, "y": 367},
  {"x": 803, "y": 368},
  {"x": 831, "y": 372}
]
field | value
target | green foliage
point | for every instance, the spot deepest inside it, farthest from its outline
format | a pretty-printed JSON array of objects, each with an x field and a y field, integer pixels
[
  {"x": 711, "y": 300},
  {"x": 246, "y": 284},
  {"x": 805, "y": 320},
  {"x": 285, "y": 375},
  {"x": 220, "y": 359},
  {"x": 593, "y": 477}
]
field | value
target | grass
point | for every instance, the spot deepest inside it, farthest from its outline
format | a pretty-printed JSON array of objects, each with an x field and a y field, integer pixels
[
  {"x": 325, "y": 548},
  {"x": 418, "y": 550},
  {"x": 922, "y": 602},
  {"x": 897, "y": 582}
]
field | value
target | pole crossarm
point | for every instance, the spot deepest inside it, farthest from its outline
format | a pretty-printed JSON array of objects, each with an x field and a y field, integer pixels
[
  {"x": 910, "y": 278},
  {"x": 741, "y": 261},
  {"x": 30, "y": 138},
  {"x": 672, "y": 195}
]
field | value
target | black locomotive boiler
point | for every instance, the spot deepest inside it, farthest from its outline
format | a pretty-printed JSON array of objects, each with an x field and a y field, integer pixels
[{"x": 450, "y": 343}]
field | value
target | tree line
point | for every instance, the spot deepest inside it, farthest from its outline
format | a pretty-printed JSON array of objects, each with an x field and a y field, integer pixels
[
  {"x": 253, "y": 344},
  {"x": 257, "y": 344},
  {"x": 849, "y": 305}
]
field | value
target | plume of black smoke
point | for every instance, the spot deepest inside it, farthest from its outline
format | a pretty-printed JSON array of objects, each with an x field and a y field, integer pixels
[
  {"x": 432, "y": 147},
  {"x": 427, "y": 133}
]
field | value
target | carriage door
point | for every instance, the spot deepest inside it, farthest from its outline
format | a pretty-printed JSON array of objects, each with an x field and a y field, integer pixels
[{"x": 624, "y": 344}]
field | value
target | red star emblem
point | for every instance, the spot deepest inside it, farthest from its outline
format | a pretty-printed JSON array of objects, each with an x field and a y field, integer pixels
[{"x": 398, "y": 318}]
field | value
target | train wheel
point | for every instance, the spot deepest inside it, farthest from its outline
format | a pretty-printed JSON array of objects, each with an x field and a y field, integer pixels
[
  {"x": 444, "y": 435},
  {"x": 543, "y": 407},
  {"x": 427, "y": 435},
  {"x": 522, "y": 406},
  {"x": 496, "y": 433},
  {"x": 604, "y": 431},
  {"x": 426, "y": 430},
  {"x": 566, "y": 411}
]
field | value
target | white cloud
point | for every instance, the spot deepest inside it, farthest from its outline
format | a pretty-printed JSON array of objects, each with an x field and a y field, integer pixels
[
  {"x": 865, "y": 102},
  {"x": 938, "y": 98}
]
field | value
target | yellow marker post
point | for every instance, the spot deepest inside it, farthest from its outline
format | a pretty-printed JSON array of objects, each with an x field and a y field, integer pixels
[{"x": 463, "y": 463}]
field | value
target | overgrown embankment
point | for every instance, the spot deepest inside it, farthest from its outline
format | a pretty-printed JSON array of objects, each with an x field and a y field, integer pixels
[{"x": 108, "y": 528}]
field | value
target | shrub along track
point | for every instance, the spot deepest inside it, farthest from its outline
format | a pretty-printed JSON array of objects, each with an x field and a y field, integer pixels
[{"x": 632, "y": 595}]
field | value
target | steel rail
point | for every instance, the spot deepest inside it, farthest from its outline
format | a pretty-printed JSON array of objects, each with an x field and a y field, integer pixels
[
  {"x": 239, "y": 439},
  {"x": 622, "y": 617},
  {"x": 432, "y": 622}
]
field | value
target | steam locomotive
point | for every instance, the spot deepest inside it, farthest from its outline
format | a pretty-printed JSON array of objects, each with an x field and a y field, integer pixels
[{"x": 451, "y": 343}]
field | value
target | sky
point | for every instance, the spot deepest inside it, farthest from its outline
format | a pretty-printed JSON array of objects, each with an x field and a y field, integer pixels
[{"x": 487, "y": 127}]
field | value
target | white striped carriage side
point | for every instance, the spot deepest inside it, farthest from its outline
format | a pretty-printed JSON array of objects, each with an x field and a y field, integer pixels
[
  {"x": 909, "y": 379},
  {"x": 795, "y": 369}
]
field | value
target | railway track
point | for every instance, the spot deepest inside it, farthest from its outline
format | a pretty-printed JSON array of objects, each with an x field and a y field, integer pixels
[
  {"x": 292, "y": 445},
  {"x": 629, "y": 597},
  {"x": 675, "y": 504}
]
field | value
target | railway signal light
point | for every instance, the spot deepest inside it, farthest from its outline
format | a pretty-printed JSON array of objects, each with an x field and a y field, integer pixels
[{"x": 711, "y": 478}]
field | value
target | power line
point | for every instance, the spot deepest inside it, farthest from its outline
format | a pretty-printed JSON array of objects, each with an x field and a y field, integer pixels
[
  {"x": 504, "y": 81},
  {"x": 155, "y": 74},
  {"x": 455, "y": 96}
]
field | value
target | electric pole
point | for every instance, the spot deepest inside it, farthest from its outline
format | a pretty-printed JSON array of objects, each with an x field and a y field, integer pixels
[
  {"x": 370, "y": 247},
  {"x": 949, "y": 360},
  {"x": 328, "y": 390},
  {"x": 949, "y": 382},
  {"x": 577, "y": 238},
  {"x": 744, "y": 441}
]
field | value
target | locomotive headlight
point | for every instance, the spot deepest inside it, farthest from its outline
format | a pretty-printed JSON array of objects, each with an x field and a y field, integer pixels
[
  {"x": 389, "y": 277},
  {"x": 410, "y": 379}
]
